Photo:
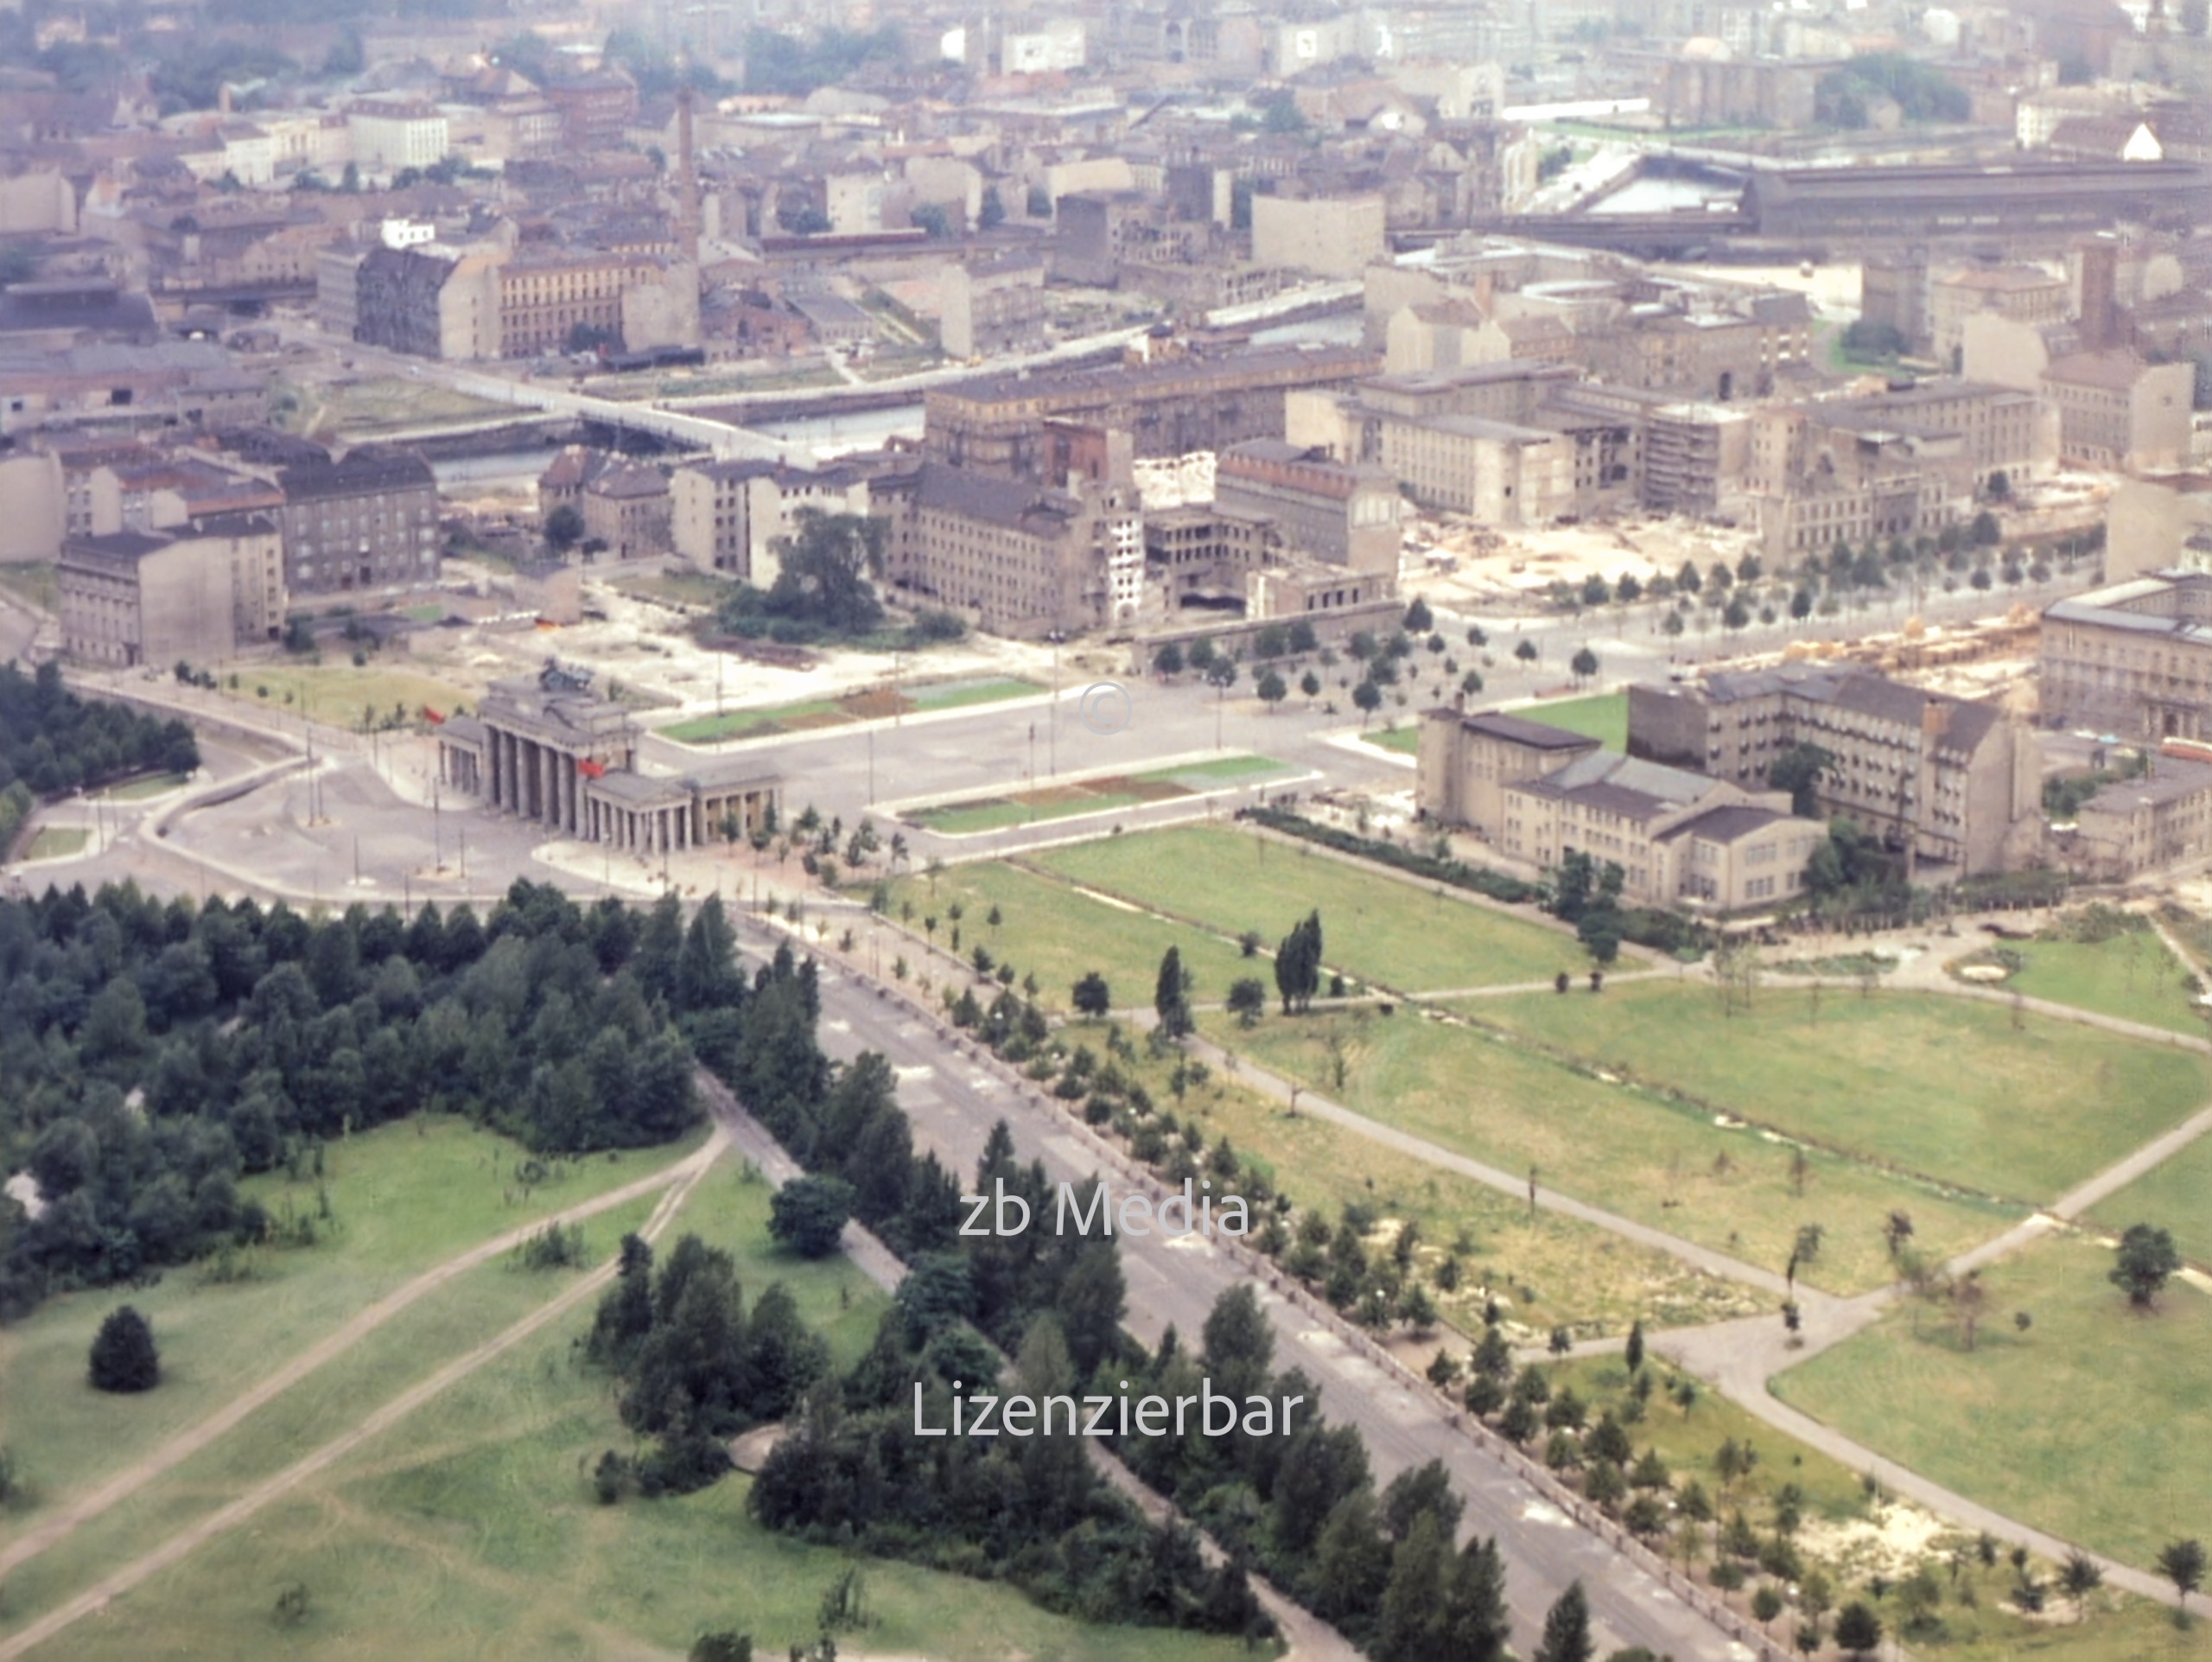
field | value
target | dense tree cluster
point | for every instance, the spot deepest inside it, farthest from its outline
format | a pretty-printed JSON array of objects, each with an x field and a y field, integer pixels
[
  {"x": 1382, "y": 1568},
  {"x": 250, "y": 1036},
  {"x": 792, "y": 65},
  {"x": 697, "y": 1366},
  {"x": 1032, "y": 1511},
  {"x": 825, "y": 589},
  {"x": 1844, "y": 96},
  {"x": 54, "y": 741}
]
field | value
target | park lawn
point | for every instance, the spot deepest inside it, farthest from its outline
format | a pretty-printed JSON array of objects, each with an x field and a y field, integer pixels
[
  {"x": 1646, "y": 1157},
  {"x": 403, "y": 1198},
  {"x": 1404, "y": 740},
  {"x": 1602, "y": 717},
  {"x": 1106, "y": 793},
  {"x": 1584, "y": 1276},
  {"x": 1942, "y": 1086},
  {"x": 1218, "y": 770},
  {"x": 1060, "y": 934},
  {"x": 2095, "y": 1425},
  {"x": 1376, "y": 927},
  {"x": 2176, "y": 1195},
  {"x": 469, "y": 1530},
  {"x": 1027, "y": 807},
  {"x": 959, "y": 695},
  {"x": 447, "y": 1323},
  {"x": 57, "y": 842},
  {"x": 2132, "y": 975},
  {"x": 338, "y": 694}
]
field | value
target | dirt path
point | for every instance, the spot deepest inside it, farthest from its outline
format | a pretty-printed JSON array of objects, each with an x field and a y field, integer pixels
[
  {"x": 681, "y": 1179},
  {"x": 186, "y": 1444}
]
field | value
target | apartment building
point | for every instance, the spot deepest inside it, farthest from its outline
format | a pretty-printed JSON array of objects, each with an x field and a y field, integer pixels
[
  {"x": 994, "y": 306},
  {"x": 1339, "y": 514},
  {"x": 2119, "y": 414},
  {"x": 1169, "y": 406},
  {"x": 1020, "y": 559},
  {"x": 2138, "y": 825},
  {"x": 2026, "y": 294},
  {"x": 387, "y": 137},
  {"x": 1502, "y": 474},
  {"x": 368, "y": 522},
  {"x": 2134, "y": 658},
  {"x": 713, "y": 508},
  {"x": 545, "y": 298},
  {"x": 1538, "y": 794},
  {"x": 198, "y": 592},
  {"x": 1943, "y": 781}
]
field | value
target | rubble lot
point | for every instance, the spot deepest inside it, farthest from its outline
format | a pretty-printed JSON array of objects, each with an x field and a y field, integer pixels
[
  {"x": 644, "y": 648},
  {"x": 1495, "y": 566}
]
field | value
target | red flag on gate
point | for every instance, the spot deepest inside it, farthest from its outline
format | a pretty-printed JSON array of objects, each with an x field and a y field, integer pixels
[
  {"x": 591, "y": 769},
  {"x": 433, "y": 716}
]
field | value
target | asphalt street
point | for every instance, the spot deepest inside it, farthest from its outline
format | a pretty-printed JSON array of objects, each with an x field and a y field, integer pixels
[{"x": 954, "y": 1097}]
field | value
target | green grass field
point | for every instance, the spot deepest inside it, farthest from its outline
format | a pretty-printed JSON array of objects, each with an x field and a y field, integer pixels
[
  {"x": 1602, "y": 717},
  {"x": 139, "y": 789},
  {"x": 55, "y": 842},
  {"x": 873, "y": 703},
  {"x": 1404, "y": 740},
  {"x": 2119, "y": 1628},
  {"x": 337, "y": 693},
  {"x": 1378, "y": 928},
  {"x": 469, "y": 1530},
  {"x": 1049, "y": 929},
  {"x": 1660, "y": 1162},
  {"x": 403, "y": 1198},
  {"x": 741, "y": 723},
  {"x": 1069, "y": 799},
  {"x": 1944, "y": 1087},
  {"x": 2132, "y": 975},
  {"x": 2176, "y": 1195},
  {"x": 1582, "y": 1276},
  {"x": 2094, "y": 1424}
]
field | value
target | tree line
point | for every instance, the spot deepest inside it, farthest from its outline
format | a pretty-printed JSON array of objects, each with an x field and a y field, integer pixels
[
  {"x": 158, "y": 1052},
  {"x": 55, "y": 742}
]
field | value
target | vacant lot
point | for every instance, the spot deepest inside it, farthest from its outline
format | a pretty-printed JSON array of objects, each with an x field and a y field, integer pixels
[
  {"x": 1386, "y": 930},
  {"x": 1945, "y": 1087},
  {"x": 403, "y": 1199},
  {"x": 869, "y": 704},
  {"x": 470, "y": 1531},
  {"x": 2095, "y": 1423},
  {"x": 1613, "y": 1145},
  {"x": 1051, "y": 930}
]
